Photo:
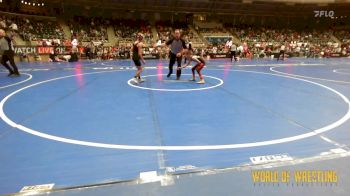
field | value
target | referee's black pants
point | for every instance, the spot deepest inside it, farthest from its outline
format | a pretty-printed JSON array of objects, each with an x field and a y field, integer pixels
[
  {"x": 9, "y": 56},
  {"x": 174, "y": 58},
  {"x": 233, "y": 55}
]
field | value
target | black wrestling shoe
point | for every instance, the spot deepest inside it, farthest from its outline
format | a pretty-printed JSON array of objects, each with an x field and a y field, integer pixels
[
  {"x": 11, "y": 75},
  {"x": 140, "y": 80},
  {"x": 16, "y": 72},
  {"x": 168, "y": 76}
]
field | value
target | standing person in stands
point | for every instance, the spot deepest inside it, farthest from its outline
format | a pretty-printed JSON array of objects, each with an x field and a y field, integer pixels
[
  {"x": 7, "y": 54},
  {"x": 74, "y": 43},
  {"x": 228, "y": 43},
  {"x": 177, "y": 44},
  {"x": 282, "y": 49}
]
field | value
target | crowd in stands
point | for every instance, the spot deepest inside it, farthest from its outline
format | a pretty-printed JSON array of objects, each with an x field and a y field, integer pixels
[
  {"x": 128, "y": 29},
  {"x": 89, "y": 29},
  {"x": 164, "y": 29},
  {"x": 31, "y": 29},
  {"x": 7, "y": 23},
  {"x": 188, "y": 35},
  {"x": 343, "y": 36},
  {"x": 36, "y": 30},
  {"x": 262, "y": 40},
  {"x": 256, "y": 41},
  {"x": 259, "y": 35},
  {"x": 212, "y": 31}
]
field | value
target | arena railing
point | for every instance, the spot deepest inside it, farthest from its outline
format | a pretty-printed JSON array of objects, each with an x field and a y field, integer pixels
[{"x": 28, "y": 16}]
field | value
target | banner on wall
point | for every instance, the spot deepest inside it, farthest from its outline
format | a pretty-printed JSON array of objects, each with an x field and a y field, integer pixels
[
  {"x": 41, "y": 49},
  {"x": 25, "y": 50}
]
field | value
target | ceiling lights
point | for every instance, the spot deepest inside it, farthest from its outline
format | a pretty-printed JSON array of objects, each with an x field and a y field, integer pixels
[{"x": 33, "y": 3}]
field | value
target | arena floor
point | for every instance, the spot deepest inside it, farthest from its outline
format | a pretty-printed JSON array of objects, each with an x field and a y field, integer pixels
[{"x": 85, "y": 123}]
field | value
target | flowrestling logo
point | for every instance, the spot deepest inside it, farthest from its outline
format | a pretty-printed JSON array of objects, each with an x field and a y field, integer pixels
[{"x": 324, "y": 13}]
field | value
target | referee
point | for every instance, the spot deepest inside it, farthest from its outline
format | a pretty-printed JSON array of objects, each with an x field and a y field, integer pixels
[
  {"x": 7, "y": 54},
  {"x": 176, "y": 46}
]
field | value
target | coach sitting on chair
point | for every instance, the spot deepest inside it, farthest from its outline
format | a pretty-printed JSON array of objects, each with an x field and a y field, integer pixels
[{"x": 176, "y": 46}]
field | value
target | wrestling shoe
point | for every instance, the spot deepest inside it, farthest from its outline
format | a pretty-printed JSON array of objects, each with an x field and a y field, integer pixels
[
  {"x": 201, "y": 82},
  {"x": 16, "y": 74},
  {"x": 141, "y": 80},
  {"x": 10, "y": 75},
  {"x": 135, "y": 80}
]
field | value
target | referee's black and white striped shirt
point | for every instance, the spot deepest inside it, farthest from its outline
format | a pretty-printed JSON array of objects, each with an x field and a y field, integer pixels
[{"x": 176, "y": 45}]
